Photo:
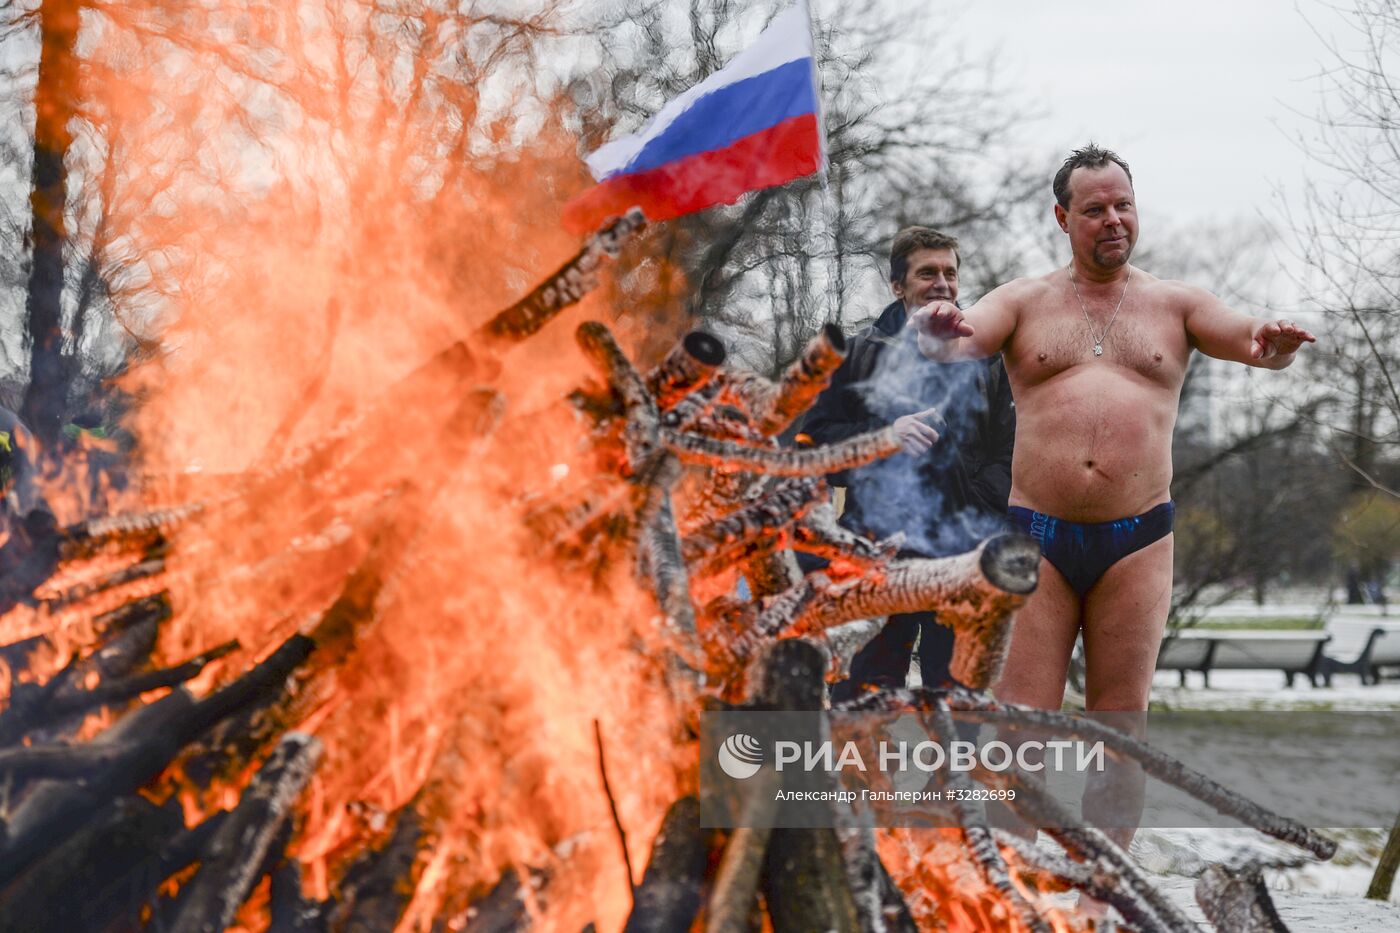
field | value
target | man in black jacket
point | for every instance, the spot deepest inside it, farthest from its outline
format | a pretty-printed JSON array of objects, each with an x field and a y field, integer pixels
[{"x": 948, "y": 488}]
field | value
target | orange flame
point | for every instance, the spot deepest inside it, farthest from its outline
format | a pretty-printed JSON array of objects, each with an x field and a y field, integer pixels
[{"x": 302, "y": 206}]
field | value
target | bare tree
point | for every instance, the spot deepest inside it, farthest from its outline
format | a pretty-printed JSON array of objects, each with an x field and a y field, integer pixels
[{"x": 1346, "y": 236}]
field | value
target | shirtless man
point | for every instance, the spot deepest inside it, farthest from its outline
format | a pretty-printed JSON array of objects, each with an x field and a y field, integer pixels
[{"x": 1096, "y": 354}]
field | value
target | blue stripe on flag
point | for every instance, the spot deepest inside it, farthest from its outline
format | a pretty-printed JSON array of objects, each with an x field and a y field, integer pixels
[{"x": 730, "y": 113}]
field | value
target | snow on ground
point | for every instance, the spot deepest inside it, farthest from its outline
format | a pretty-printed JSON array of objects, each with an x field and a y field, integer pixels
[
  {"x": 1250, "y": 690},
  {"x": 1318, "y": 896}
]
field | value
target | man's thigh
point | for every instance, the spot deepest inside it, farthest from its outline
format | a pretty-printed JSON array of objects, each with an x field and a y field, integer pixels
[
  {"x": 1042, "y": 639},
  {"x": 1124, "y": 615}
]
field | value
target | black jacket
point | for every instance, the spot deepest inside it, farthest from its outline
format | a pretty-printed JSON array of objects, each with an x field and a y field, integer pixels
[{"x": 948, "y": 499}]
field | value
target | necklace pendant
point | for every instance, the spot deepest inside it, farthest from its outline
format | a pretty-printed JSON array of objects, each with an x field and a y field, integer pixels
[{"x": 1098, "y": 349}]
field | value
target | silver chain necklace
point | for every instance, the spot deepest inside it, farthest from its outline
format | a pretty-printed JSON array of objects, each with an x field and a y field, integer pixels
[{"x": 1098, "y": 342}]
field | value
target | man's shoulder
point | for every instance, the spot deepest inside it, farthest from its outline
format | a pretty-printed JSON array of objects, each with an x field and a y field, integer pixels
[
  {"x": 1172, "y": 293},
  {"x": 1025, "y": 290}
]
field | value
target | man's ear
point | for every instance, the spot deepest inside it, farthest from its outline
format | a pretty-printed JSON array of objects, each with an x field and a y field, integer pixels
[
  {"x": 898, "y": 289},
  {"x": 1062, "y": 218}
]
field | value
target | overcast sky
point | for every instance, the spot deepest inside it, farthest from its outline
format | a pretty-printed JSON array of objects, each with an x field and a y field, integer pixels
[{"x": 1201, "y": 97}]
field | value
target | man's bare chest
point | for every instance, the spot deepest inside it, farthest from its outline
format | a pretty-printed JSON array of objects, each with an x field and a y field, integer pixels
[{"x": 1057, "y": 340}]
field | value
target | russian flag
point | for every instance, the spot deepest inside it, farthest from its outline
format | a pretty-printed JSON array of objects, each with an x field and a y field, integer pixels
[{"x": 752, "y": 124}]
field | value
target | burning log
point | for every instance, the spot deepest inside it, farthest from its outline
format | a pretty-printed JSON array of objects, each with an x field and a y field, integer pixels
[
  {"x": 668, "y": 897},
  {"x": 289, "y": 911},
  {"x": 143, "y": 570},
  {"x": 661, "y": 544},
  {"x": 804, "y": 873},
  {"x": 230, "y": 866},
  {"x": 129, "y": 633},
  {"x": 723, "y": 540},
  {"x": 811, "y": 461},
  {"x": 977, "y": 835},
  {"x": 639, "y": 408},
  {"x": 973, "y": 593},
  {"x": 730, "y": 642},
  {"x": 149, "y": 739},
  {"x": 134, "y": 531},
  {"x": 572, "y": 281},
  {"x": 95, "y": 877},
  {"x": 818, "y": 533},
  {"x": 59, "y": 705},
  {"x": 804, "y": 380},
  {"x": 689, "y": 365},
  {"x": 376, "y": 889}
]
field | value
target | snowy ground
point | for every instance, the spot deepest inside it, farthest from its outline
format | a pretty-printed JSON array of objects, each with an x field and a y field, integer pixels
[{"x": 1319, "y": 896}]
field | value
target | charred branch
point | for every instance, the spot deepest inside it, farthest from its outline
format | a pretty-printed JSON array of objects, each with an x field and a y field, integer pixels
[
  {"x": 150, "y": 737},
  {"x": 977, "y": 835},
  {"x": 661, "y": 544},
  {"x": 729, "y": 642},
  {"x": 718, "y": 542},
  {"x": 144, "y": 570},
  {"x": 378, "y": 887},
  {"x": 231, "y": 865},
  {"x": 879, "y": 903},
  {"x": 50, "y": 761},
  {"x": 98, "y": 875},
  {"x": 689, "y": 365},
  {"x": 1237, "y": 899},
  {"x": 973, "y": 593},
  {"x": 804, "y": 380},
  {"x": 1161, "y": 766},
  {"x": 811, "y": 461},
  {"x": 642, "y": 418},
  {"x": 819, "y": 533},
  {"x": 668, "y": 897},
  {"x": 1115, "y": 878},
  {"x": 572, "y": 281},
  {"x": 34, "y": 706},
  {"x": 135, "y": 531}
]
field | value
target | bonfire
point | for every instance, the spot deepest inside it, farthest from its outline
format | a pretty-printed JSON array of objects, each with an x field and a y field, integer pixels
[{"x": 440, "y": 668}]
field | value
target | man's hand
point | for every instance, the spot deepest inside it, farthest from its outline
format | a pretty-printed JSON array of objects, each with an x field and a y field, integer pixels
[
  {"x": 916, "y": 436},
  {"x": 1278, "y": 338},
  {"x": 941, "y": 320}
]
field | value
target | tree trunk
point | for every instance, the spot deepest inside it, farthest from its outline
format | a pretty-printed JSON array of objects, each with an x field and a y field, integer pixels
[
  {"x": 55, "y": 102},
  {"x": 1384, "y": 877}
]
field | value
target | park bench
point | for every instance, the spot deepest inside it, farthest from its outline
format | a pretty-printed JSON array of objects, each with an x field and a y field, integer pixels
[
  {"x": 1382, "y": 649},
  {"x": 1291, "y": 652}
]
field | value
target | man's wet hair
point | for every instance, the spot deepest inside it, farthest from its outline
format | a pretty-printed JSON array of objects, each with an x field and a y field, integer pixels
[
  {"x": 910, "y": 239},
  {"x": 1091, "y": 156}
]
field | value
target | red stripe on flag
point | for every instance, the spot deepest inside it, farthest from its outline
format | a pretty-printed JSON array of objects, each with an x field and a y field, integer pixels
[{"x": 776, "y": 155}]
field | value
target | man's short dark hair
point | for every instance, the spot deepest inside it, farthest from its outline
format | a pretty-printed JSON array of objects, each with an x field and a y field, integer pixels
[
  {"x": 1091, "y": 156},
  {"x": 910, "y": 239}
]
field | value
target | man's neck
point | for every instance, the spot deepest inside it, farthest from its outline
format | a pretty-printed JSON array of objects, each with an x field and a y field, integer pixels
[{"x": 1089, "y": 271}]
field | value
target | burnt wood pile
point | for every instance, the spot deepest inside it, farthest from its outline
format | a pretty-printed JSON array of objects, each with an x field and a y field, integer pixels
[{"x": 690, "y": 491}]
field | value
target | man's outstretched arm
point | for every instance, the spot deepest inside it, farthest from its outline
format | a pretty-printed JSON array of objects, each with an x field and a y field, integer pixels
[
  {"x": 946, "y": 332},
  {"x": 1220, "y": 331}
]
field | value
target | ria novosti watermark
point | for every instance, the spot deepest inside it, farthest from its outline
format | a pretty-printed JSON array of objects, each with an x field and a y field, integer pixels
[
  {"x": 1322, "y": 769},
  {"x": 741, "y": 756}
]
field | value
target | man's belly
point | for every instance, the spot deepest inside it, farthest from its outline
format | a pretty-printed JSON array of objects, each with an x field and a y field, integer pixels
[{"x": 1093, "y": 447}]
